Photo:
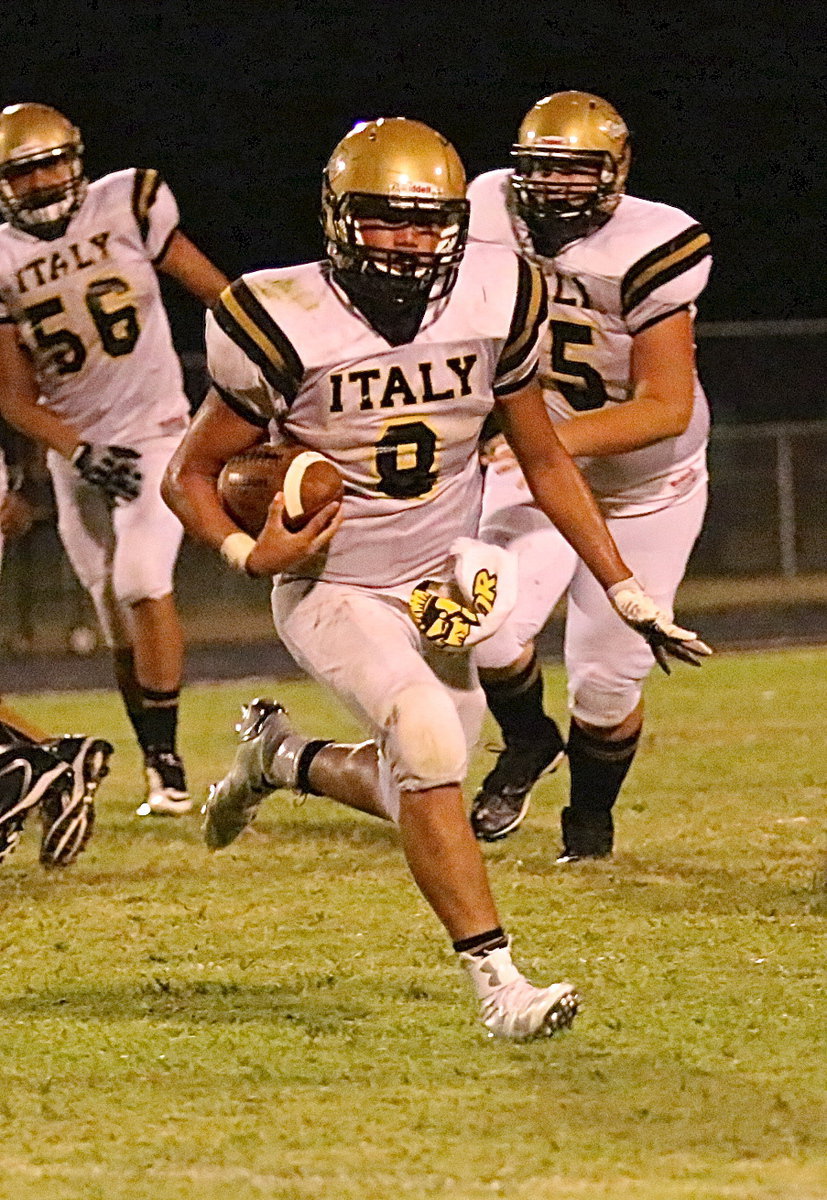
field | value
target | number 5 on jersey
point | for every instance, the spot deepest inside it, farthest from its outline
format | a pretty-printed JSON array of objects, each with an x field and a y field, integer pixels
[
  {"x": 579, "y": 382},
  {"x": 117, "y": 327}
]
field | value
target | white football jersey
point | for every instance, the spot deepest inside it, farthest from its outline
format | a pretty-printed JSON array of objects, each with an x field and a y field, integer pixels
[
  {"x": 647, "y": 262},
  {"x": 88, "y": 307},
  {"x": 401, "y": 422}
]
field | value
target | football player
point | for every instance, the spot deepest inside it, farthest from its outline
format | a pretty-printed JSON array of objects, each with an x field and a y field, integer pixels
[
  {"x": 617, "y": 368},
  {"x": 87, "y": 367},
  {"x": 57, "y": 775},
  {"x": 387, "y": 357}
]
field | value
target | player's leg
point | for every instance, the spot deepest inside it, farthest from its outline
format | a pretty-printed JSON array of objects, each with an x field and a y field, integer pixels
[
  {"x": 607, "y": 665},
  {"x": 148, "y": 538},
  {"x": 18, "y": 726},
  {"x": 368, "y": 650},
  {"x": 511, "y": 675}
]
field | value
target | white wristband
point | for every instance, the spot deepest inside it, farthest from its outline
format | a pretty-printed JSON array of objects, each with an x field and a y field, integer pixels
[
  {"x": 625, "y": 585},
  {"x": 236, "y": 549}
]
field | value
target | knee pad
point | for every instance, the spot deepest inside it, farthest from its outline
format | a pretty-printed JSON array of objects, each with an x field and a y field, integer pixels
[
  {"x": 424, "y": 738},
  {"x": 599, "y": 698},
  {"x": 133, "y": 581},
  {"x": 500, "y": 650}
]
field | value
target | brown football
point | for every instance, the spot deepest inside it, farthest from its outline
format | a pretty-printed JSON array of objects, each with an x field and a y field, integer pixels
[{"x": 249, "y": 481}]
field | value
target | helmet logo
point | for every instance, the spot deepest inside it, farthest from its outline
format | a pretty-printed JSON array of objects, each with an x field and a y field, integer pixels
[{"x": 410, "y": 187}]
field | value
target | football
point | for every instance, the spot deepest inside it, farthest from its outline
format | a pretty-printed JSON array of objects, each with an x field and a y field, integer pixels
[{"x": 249, "y": 481}]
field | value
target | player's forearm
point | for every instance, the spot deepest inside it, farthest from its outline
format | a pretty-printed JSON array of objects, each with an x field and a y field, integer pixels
[
  {"x": 39, "y": 424},
  {"x": 640, "y": 422},
  {"x": 564, "y": 496},
  {"x": 192, "y": 496}
]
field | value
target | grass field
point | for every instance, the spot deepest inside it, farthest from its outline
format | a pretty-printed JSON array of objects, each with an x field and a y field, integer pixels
[{"x": 286, "y": 1020}]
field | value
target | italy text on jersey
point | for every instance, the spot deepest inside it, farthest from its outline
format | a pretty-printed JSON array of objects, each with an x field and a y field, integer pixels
[{"x": 401, "y": 422}]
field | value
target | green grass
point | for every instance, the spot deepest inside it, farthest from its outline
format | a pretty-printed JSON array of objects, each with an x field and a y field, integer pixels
[{"x": 286, "y": 1020}]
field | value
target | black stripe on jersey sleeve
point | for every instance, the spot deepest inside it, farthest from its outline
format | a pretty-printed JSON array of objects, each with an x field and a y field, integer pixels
[
  {"x": 245, "y": 320},
  {"x": 506, "y": 389},
  {"x": 662, "y": 264},
  {"x": 530, "y": 310},
  {"x": 660, "y": 317},
  {"x": 159, "y": 257},
  {"x": 144, "y": 190},
  {"x": 241, "y": 410}
]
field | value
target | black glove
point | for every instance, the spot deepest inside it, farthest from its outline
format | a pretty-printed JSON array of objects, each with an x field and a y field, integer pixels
[{"x": 111, "y": 468}]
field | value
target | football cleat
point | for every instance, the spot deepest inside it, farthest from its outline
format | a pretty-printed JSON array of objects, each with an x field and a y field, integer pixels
[
  {"x": 29, "y": 776},
  {"x": 266, "y": 760},
  {"x": 68, "y": 817},
  {"x": 585, "y": 835},
  {"x": 502, "y": 802},
  {"x": 167, "y": 794},
  {"x": 510, "y": 1006}
]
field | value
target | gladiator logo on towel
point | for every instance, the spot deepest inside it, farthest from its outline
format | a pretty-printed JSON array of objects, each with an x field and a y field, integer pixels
[
  {"x": 372, "y": 387},
  {"x": 446, "y": 622}
]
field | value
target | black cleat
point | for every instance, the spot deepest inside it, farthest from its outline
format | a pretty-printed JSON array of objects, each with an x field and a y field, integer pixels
[
  {"x": 585, "y": 835},
  {"x": 502, "y": 802},
  {"x": 68, "y": 818},
  {"x": 29, "y": 776}
]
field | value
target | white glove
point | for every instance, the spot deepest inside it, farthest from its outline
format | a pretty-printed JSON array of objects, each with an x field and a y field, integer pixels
[
  {"x": 641, "y": 613},
  {"x": 457, "y": 618}
]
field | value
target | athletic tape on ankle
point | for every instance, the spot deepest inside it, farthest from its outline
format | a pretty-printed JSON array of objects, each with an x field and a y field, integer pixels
[{"x": 236, "y": 549}]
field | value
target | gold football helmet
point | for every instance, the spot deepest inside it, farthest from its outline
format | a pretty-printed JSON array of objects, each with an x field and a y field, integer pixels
[
  {"x": 571, "y": 160},
  {"x": 394, "y": 172},
  {"x": 33, "y": 136}
]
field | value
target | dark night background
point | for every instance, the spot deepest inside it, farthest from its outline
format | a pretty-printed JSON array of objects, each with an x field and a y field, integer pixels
[{"x": 239, "y": 107}]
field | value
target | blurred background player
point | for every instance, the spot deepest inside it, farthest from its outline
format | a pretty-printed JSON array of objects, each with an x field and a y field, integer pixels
[
  {"x": 387, "y": 357},
  {"x": 618, "y": 373},
  {"x": 87, "y": 367},
  {"x": 56, "y": 775}
]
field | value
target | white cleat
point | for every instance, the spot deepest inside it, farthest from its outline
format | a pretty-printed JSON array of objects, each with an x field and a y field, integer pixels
[
  {"x": 513, "y": 1008},
  {"x": 166, "y": 785}
]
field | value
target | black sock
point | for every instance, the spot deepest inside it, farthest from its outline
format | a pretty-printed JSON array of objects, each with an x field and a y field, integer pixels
[
  {"x": 598, "y": 769},
  {"x": 306, "y": 757},
  {"x": 130, "y": 691},
  {"x": 482, "y": 943},
  {"x": 516, "y": 703},
  {"x": 159, "y": 720}
]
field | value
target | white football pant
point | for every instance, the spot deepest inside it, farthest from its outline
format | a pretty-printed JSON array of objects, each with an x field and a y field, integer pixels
[
  {"x": 606, "y": 661},
  {"x": 123, "y": 553},
  {"x": 423, "y": 707}
]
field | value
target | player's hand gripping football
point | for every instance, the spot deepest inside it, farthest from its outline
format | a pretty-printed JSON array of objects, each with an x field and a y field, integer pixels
[
  {"x": 665, "y": 639},
  {"x": 277, "y": 549},
  {"x": 113, "y": 469}
]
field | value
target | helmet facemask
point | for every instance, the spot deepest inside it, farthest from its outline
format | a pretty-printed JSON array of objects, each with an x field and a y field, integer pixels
[
  {"x": 558, "y": 211},
  {"x": 392, "y": 287},
  {"x": 43, "y": 212}
]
